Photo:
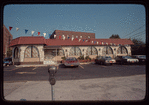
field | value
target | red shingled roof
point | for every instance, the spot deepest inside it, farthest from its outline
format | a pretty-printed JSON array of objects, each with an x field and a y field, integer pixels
[
  {"x": 28, "y": 40},
  {"x": 66, "y": 42}
]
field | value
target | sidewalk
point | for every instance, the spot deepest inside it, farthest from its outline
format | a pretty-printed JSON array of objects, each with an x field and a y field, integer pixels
[
  {"x": 116, "y": 88},
  {"x": 39, "y": 65}
]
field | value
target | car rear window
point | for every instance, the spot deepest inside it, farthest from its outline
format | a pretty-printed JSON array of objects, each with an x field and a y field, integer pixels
[
  {"x": 127, "y": 57},
  {"x": 142, "y": 56},
  {"x": 108, "y": 57}
]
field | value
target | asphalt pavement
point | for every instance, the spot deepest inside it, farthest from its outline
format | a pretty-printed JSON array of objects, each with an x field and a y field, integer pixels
[{"x": 87, "y": 82}]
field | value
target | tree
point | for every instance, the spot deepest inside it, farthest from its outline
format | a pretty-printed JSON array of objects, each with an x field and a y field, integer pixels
[
  {"x": 137, "y": 41},
  {"x": 116, "y": 36},
  {"x": 139, "y": 47},
  {"x": 9, "y": 52}
]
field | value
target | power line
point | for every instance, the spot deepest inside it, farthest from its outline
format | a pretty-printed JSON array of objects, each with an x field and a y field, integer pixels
[
  {"x": 137, "y": 33},
  {"x": 134, "y": 30}
]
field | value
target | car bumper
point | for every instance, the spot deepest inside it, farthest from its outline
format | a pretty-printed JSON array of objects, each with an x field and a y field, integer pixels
[
  {"x": 71, "y": 64},
  {"x": 111, "y": 62},
  {"x": 131, "y": 62}
]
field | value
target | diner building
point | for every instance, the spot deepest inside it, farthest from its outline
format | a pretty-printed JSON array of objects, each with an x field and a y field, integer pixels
[{"x": 38, "y": 50}]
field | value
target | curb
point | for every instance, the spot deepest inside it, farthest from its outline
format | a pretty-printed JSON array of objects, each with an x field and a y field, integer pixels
[{"x": 30, "y": 65}]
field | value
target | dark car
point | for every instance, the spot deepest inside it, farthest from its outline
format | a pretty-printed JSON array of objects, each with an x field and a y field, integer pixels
[
  {"x": 104, "y": 60},
  {"x": 71, "y": 61},
  {"x": 7, "y": 62},
  {"x": 126, "y": 60},
  {"x": 142, "y": 58}
]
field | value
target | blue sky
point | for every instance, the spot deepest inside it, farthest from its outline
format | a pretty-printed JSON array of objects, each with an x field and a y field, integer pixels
[{"x": 126, "y": 20}]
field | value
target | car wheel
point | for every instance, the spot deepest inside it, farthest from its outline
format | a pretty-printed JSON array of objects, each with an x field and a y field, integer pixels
[
  {"x": 121, "y": 63},
  {"x": 105, "y": 64},
  {"x": 101, "y": 63}
]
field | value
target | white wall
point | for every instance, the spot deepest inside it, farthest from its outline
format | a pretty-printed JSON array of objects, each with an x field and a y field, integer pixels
[{"x": 22, "y": 50}]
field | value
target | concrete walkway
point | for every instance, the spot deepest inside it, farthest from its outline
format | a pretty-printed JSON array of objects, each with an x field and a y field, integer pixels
[{"x": 115, "y": 88}]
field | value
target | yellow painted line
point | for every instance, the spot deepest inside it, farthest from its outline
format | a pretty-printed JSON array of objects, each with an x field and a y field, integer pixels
[
  {"x": 81, "y": 66},
  {"x": 26, "y": 72},
  {"x": 34, "y": 68}
]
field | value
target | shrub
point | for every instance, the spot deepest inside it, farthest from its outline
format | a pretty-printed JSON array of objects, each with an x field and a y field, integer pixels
[
  {"x": 81, "y": 57},
  {"x": 87, "y": 57},
  {"x": 63, "y": 58}
]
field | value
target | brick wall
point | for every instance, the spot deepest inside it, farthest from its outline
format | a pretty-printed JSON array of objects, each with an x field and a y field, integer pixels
[
  {"x": 70, "y": 33},
  {"x": 7, "y": 36}
]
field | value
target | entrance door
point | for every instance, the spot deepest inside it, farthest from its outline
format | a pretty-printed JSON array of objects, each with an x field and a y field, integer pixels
[{"x": 49, "y": 56}]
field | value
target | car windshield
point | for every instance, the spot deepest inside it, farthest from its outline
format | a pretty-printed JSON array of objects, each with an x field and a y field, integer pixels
[
  {"x": 127, "y": 57},
  {"x": 107, "y": 57},
  {"x": 71, "y": 59}
]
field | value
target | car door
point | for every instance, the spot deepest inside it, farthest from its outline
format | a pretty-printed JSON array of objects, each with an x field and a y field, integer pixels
[
  {"x": 98, "y": 59},
  {"x": 102, "y": 59},
  {"x": 118, "y": 59}
]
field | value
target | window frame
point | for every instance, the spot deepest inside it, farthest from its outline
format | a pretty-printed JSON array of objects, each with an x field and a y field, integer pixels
[{"x": 16, "y": 48}]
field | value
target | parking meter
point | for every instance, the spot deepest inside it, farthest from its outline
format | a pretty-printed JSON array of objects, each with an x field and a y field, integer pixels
[{"x": 52, "y": 71}]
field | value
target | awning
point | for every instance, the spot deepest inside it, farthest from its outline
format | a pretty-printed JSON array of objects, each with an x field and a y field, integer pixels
[{"x": 52, "y": 47}]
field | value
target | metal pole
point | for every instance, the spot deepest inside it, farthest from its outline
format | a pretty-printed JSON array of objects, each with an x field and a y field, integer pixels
[
  {"x": 52, "y": 92},
  {"x": 56, "y": 56}
]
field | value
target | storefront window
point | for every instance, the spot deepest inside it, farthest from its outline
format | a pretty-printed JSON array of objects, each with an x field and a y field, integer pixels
[
  {"x": 122, "y": 50},
  {"x": 75, "y": 51},
  {"x": 107, "y": 50},
  {"x": 91, "y": 51},
  {"x": 31, "y": 52}
]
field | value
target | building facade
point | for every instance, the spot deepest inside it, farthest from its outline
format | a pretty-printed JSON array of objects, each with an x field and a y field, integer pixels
[
  {"x": 7, "y": 38},
  {"x": 38, "y": 50}
]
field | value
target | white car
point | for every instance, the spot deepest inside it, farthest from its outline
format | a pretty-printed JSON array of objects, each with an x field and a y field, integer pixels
[
  {"x": 126, "y": 60},
  {"x": 71, "y": 61}
]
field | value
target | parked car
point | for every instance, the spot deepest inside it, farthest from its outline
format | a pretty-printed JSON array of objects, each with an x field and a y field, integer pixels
[
  {"x": 142, "y": 58},
  {"x": 126, "y": 60},
  {"x": 7, "y": 62},
  {"x": 104, "y": 60},
  {"x": 71, "y": 61}
]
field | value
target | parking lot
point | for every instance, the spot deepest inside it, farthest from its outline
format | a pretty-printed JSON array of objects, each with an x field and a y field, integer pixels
[
  {"x": 86, "y": 82},
  {"x": 87, "y": 71}
]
